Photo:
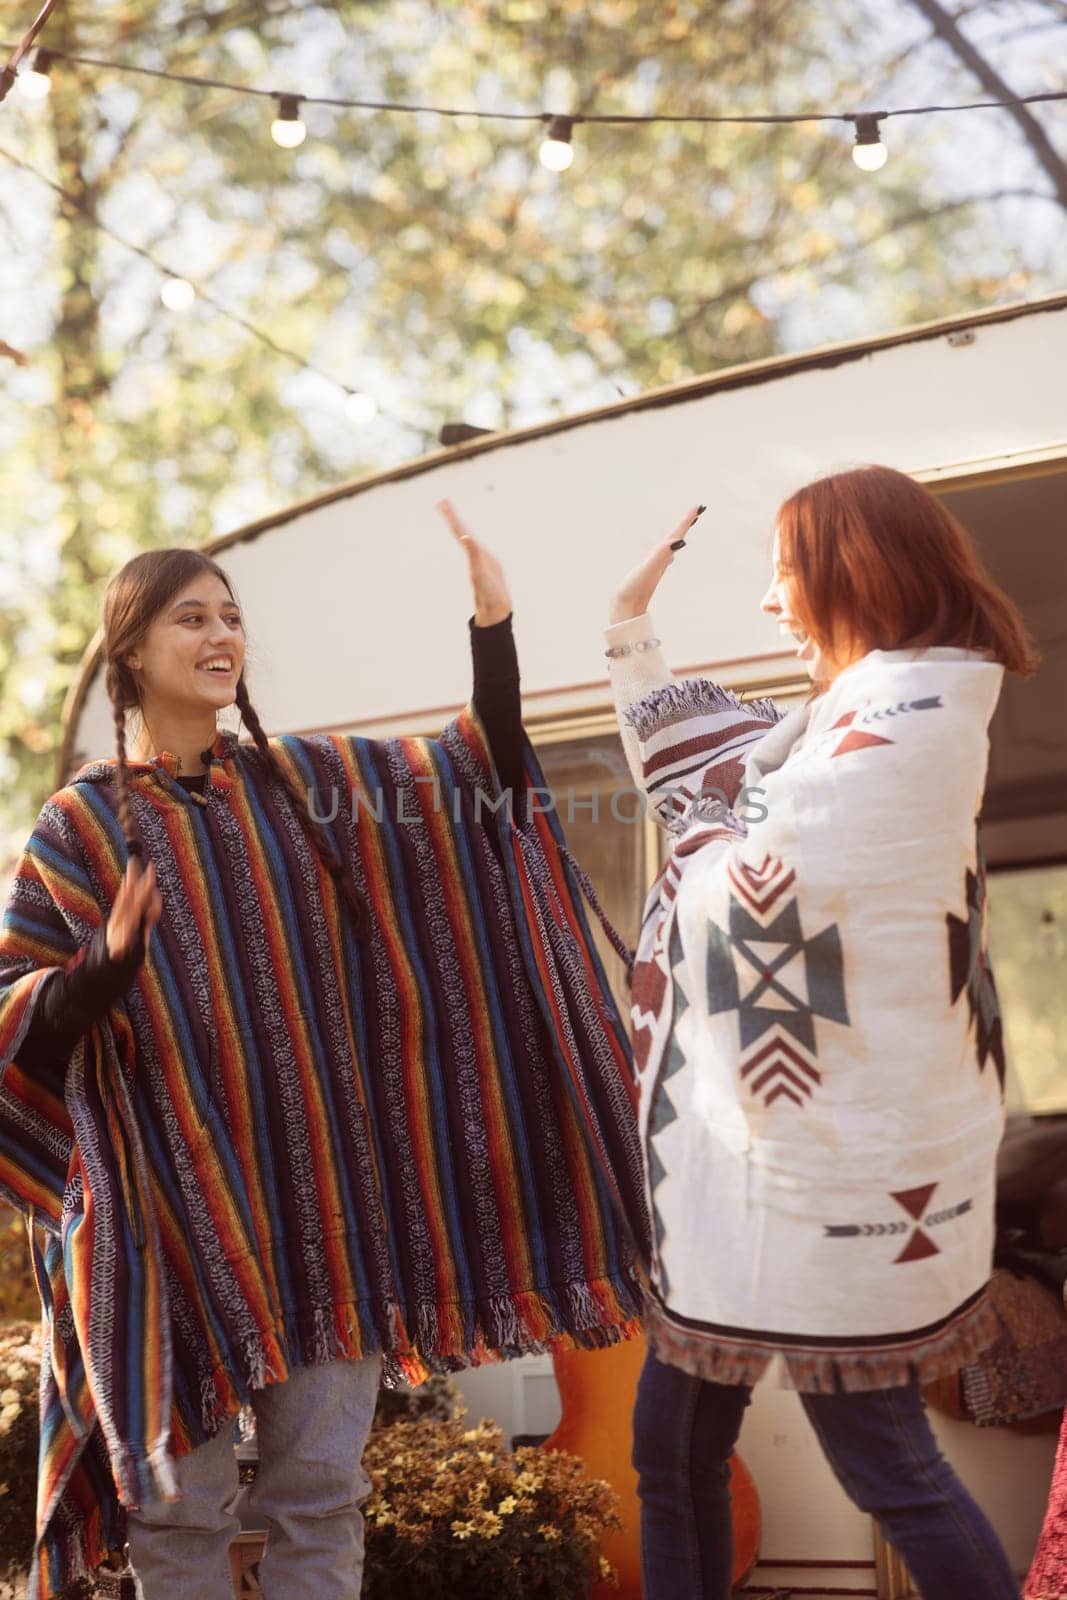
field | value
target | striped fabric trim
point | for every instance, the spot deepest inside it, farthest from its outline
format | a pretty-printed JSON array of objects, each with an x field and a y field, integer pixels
[{"x": 694, "y": 739}]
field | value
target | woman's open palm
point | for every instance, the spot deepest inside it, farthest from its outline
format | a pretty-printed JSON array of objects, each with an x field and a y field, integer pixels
[
  {"x": 634, "y": 596},
  {"x": 492, "y": 601}
]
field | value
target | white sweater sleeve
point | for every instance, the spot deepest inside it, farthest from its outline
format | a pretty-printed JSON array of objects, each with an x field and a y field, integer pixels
[{"x": 637, "y": 673}]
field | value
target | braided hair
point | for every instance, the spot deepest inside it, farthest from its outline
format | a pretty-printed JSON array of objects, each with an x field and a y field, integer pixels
[{"x": 135, "y": 596}]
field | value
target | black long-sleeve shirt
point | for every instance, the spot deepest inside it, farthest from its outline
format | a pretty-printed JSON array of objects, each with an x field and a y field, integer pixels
[{"x": 71, "y": 1001}]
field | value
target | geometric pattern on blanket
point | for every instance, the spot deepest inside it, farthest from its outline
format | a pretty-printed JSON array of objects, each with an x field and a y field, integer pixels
[
  {"x": 777, "y": 980},
  {"x": 915, "y": 1202},
  {"x": 663, "y": 1111},
  {"x": 969, "y": 969},
  {"x": 856, "y": 739}
]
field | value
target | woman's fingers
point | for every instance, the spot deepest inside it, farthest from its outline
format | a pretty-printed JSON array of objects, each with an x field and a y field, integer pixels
[
  {"x": 138, "y": 904},
  {"x": 448, "y": 511},
  {"x": 492, "y": 602},
  {"x": 634, "y": 596},
  {"x": 677, "y": 538}
]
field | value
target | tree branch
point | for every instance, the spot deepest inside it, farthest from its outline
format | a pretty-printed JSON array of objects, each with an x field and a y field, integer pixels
[{"x": 946, "y": 27}]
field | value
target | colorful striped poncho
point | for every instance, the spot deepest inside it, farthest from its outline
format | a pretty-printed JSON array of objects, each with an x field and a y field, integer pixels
[{"x": 286, "y": 1145}]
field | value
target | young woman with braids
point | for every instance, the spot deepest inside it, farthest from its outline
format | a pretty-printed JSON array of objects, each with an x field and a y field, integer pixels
[{"x": 293, "y": 1089}]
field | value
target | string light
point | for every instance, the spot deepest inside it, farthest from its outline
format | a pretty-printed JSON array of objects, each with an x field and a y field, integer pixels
[
  {"x": 360, "y": 408},
  {"x": 868, "y": 152},
  {"x": 557, "y": 151},
  {"x": 9, "y": 72},
  {"x": 177, "y": 294},
  {"x": 287, "y": 129},
  {"x": 267, "y": 340},
  {"x": 35, "y": 83}
]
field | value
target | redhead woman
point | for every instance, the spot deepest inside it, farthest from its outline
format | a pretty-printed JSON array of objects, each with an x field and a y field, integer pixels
[
  {"x": 816, "y": 1029},
  {"x": 310, "y": 1071}
]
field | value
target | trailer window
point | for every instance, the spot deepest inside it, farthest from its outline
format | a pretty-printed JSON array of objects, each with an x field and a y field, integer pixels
[{"x": 1028, "y": 950}]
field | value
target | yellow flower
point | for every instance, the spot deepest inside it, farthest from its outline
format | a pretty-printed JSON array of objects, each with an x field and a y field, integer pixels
[
  {"x": 547, "y": 1531},
  {"x": 462, "y": 1530},
  {"x": 489, "y": 1524},
  {"x": 507, "y": 1505}
]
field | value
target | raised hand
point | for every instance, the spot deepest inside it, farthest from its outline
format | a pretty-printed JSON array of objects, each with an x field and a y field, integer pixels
[
  {"x": 137, "y": 903},
  {"x": 492, "y": 601},
  {"x": 634, "y": 596}
]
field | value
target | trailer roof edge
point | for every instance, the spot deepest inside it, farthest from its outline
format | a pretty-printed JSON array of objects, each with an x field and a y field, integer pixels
[{"x": 749, "y": 374}]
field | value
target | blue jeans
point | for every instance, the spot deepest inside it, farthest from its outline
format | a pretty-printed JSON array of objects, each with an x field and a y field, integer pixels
[{"x": 883, "y": 1453}]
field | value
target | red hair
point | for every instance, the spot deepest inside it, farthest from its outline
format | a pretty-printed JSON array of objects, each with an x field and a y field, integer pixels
[{"x": 877, "y": 562}]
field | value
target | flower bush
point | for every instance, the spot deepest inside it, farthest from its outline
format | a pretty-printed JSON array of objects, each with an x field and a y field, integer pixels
[
  {"x": 453, "y": 1512},
  {"x": 20, "y": 1364}
]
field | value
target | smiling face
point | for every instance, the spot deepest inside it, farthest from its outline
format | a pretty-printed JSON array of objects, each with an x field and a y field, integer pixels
[
  {"x": 780, "y": 601},
  {"x": 193, "y": 651}
]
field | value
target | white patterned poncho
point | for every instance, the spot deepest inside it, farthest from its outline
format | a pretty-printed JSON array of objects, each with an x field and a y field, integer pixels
[{"x": 815, "y": 1023}]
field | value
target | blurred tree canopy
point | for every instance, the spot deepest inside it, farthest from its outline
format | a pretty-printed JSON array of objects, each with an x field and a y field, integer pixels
[{"x": 433, "y": 262}]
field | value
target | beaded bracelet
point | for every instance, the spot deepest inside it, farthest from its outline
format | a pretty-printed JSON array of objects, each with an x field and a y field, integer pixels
[{"x": 616, "y": 650}]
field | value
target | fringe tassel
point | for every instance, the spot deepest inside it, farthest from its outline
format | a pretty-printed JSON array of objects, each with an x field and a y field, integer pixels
[
  {"x": 676, "y": 700},
  {"x": 814, "y": 1371},
  {"x": 765, "y": 710},
  {"x": 689, "y": 697},
  {"x": 142, "y": 1479}
]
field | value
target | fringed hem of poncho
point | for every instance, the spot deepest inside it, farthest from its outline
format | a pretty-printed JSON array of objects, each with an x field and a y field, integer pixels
[
  {"x": 691, "y": 695},
  {"x": 435, "y": 1338},
  {"x": 817, "y": 1369}
]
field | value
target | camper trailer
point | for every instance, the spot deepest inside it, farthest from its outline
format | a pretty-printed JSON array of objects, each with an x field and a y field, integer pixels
[{"x": 358, "y": 612}]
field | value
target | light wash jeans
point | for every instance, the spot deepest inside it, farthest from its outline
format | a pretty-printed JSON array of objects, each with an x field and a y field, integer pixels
[{"x": 308, "y": 1490}]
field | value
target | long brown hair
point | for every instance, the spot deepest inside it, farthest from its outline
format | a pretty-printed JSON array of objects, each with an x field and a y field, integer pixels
[
  {"x": 135, "y": 597},
  {"x": 877, "y": 562}
]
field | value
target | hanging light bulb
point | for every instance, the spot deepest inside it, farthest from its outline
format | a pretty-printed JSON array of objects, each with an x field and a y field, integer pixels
[
  {"x": 557, "y": 152},
  {"x": 868, "y": 152},
  {"x": 36, "y": 83},
  {"x": 177, "y": 294},
  {"x": 287, "y": 129},
  {"x": 360, "y": 408}
]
